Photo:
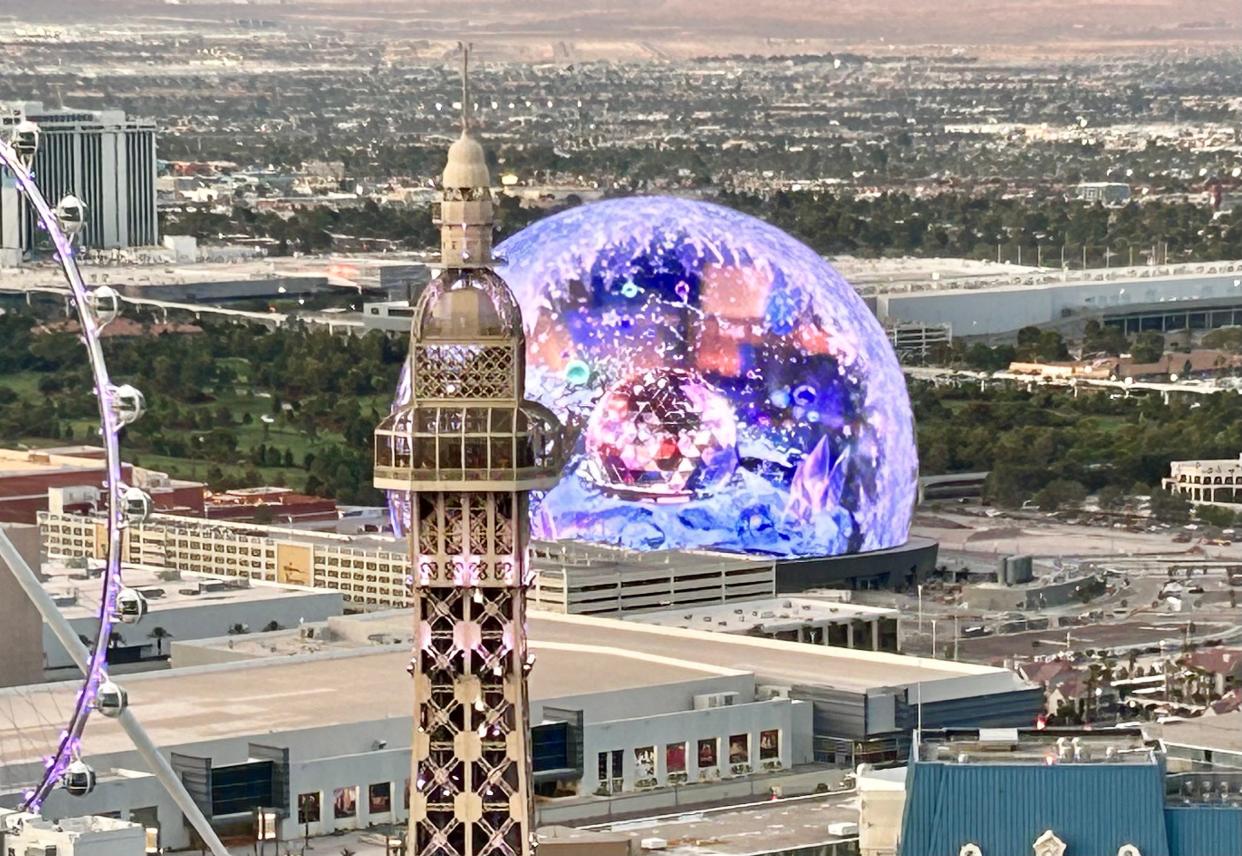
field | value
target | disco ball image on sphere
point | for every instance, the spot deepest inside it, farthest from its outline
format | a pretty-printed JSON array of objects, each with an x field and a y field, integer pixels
[
  {"x": 728, "y": 388},
  {"x": 662, "y": 435}
]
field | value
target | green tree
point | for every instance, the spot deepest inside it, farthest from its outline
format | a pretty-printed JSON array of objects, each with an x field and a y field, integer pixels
[
  {"x": 1148, "y": 347},
  {"x": 1214, "y": 515},
  {"x": 1110, "y": 498},
  {"x": 1059, "y": 494},
  {"x": 1169, "y": 507}
]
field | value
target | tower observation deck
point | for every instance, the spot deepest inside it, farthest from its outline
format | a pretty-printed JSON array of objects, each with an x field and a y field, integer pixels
[{"x": 467, "y": 449}]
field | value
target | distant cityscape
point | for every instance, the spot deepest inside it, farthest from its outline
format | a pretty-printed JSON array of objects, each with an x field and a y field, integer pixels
[{"x": 837, "y": 453}]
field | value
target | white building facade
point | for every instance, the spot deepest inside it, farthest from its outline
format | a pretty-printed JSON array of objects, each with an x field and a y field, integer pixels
[
  {"x": 1207, "y": 481},
  {"x": 103, "y": 157}
]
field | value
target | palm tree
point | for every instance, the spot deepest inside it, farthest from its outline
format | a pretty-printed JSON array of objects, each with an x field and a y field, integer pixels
[
  {"x": 271, "y": 626},
  {"x": 159, "y": 634}
]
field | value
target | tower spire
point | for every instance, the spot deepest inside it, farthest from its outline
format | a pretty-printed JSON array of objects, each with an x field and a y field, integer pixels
[{"x": 465, "y": 87}]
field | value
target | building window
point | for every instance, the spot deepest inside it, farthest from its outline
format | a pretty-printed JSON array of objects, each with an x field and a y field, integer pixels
[
  {"x": 308, "y": 807},
  {"x": 345, "y": 803},
  {"x": 379, "y": 798},
  {"x": 644, "y": 766},
  {"x": 707, "y": 752},
  {"x": 675, "y": 757},
  {"x": 769, "y": 745},
  {"x": 739, "y": 749},
  {"x": 611, "y": 771}
]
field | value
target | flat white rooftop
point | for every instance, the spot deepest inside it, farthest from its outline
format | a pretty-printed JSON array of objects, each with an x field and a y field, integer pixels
[
  {"x": 576, "y": 656},
  {"x": 79, "y": 595},
  {"x": 186, "y": 706},
  {"x": 771, "y": 613}
]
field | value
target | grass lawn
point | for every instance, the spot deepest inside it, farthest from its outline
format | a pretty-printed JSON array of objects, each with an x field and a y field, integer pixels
[
  {"x": 240, "y": 400},
  {"x": 25, "y": 384}
]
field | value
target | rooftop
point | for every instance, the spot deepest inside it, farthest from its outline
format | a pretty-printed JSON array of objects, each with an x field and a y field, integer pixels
[
  {"x": 585, "y": 560},
  {"x": 1013, "y": 746},
  {"x": 64, "y": 458},
  {"x": 773, "y": 614},
  {"x": 78, "y": 593},
  {"x": 185, "y": 706},
  {"x": 1223, "y": 731},
  {"x": 772, "y": 661},
  {"x": 784, "y": 826}
]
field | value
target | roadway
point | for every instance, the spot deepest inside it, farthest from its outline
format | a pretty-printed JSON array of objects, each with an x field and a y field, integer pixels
[
  {"x": 332, "y": 320},
  {"x": 1128, "y": 386}
]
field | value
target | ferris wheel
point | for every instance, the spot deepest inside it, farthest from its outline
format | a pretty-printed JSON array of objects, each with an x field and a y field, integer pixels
[{"x": 119, "y": 405}]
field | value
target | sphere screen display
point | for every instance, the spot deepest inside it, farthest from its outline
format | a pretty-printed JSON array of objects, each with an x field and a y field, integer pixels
[{"x": 727, "y": 387}]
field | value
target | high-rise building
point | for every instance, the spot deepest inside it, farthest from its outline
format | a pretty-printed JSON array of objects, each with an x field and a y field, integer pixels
[
  {"x": 100, "y": 156},
  {"x": 467, "y": 449}
]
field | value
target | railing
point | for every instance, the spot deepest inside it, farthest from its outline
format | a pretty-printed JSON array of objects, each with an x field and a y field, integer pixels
[{"x": 535, "y": 472}]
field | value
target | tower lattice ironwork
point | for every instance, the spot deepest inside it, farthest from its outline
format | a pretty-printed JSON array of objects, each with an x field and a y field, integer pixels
[{"x": 468, "y": 449}]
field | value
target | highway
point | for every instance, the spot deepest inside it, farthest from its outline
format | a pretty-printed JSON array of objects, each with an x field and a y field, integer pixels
[
  {"x": 333, "y": 321},
  {"x": 1128, "y": 386}
]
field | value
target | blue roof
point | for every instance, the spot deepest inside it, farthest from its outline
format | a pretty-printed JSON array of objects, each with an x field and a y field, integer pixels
[
  {"x": 1003, "y": 808},
  {"x": 1204, "y": 830}
]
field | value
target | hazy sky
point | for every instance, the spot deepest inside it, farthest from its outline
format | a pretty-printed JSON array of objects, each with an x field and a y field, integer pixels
[{"x": 1053, "y": 22}]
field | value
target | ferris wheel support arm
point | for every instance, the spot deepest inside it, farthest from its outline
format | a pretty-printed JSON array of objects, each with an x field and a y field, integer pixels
[{"x": 78, "y": 652}]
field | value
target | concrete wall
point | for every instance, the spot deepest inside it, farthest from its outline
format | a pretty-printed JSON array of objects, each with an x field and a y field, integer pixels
[
  {"x": 791, "y": 719},
  {"x": 978, "y": 312},
  {"x": 206, "y": 617},
  {"x": 663, "y": 800},
  {"x": 21, "y": 635},
  {"x": 83, "y": 837},
  {"x": 645, "y": 701},
  {"x": 882, "y": 801},
  {"x": 357, "y": 755},
  {"x": 913, "y": 561},
  {"x": 222, "y": 290}
]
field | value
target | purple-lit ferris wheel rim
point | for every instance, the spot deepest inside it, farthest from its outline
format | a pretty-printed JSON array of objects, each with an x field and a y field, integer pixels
[{"x": 69, "y": 743}]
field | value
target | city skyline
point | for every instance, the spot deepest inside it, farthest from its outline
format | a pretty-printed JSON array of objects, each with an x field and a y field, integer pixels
[{"x": 688, "y": 428}]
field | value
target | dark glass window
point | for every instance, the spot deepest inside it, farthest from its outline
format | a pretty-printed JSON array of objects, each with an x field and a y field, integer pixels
[{"x": 243, "y": 787}]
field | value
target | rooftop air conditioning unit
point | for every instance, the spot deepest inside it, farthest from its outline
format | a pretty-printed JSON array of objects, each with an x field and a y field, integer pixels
[{"x": 709, "y": 701}]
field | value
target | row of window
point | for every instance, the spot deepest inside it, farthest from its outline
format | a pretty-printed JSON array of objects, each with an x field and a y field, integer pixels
[
  {"x": 707, "y": 752},
  {"x": 345, "y": 802}
]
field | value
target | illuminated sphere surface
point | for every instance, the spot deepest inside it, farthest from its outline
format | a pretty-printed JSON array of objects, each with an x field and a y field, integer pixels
[
  {"x": 782, "y": 427},
  {"x": 661, "y": 435}
]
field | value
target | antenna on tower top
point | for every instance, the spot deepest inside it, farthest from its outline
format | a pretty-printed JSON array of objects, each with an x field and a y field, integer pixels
[{"x": 465, "y": 86}]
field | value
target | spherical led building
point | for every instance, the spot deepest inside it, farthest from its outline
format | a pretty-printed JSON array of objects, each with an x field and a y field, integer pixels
[{"x": 728, "y": 388}]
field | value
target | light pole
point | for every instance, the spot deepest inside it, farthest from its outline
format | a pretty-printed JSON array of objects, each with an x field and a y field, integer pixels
[{"x": 920, "y": 608}]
